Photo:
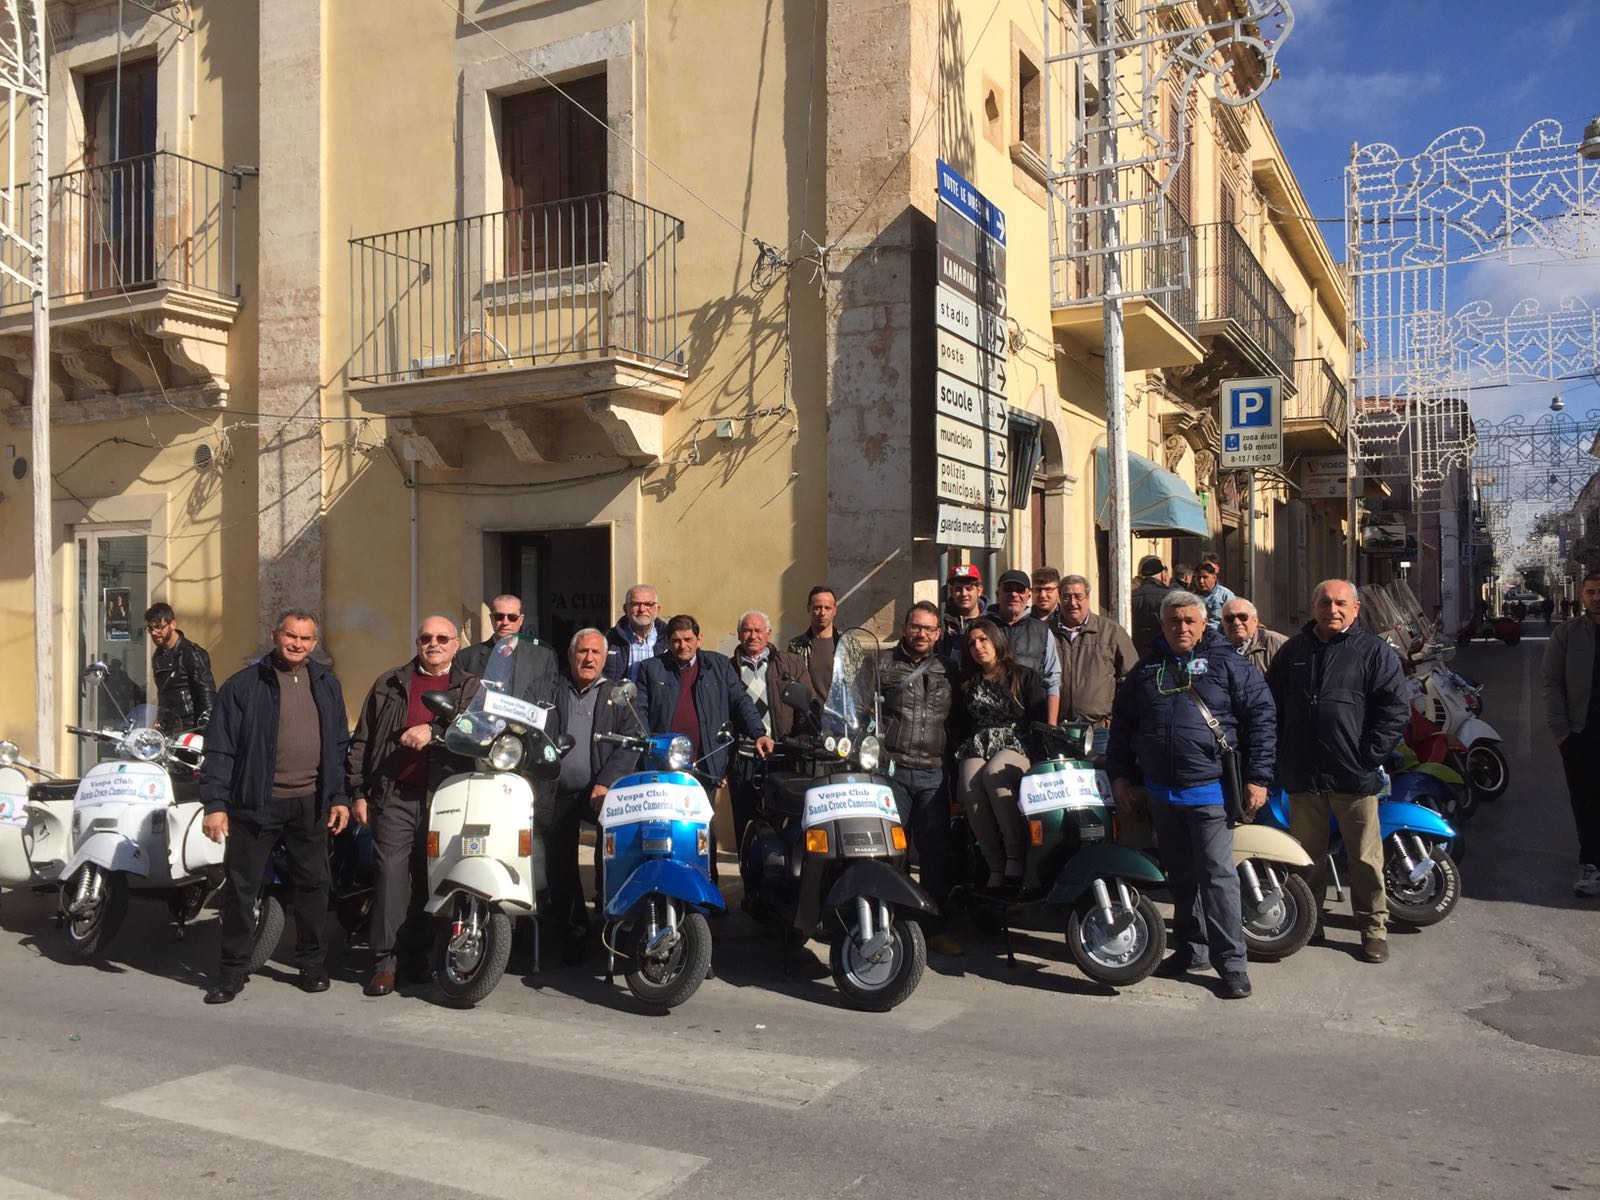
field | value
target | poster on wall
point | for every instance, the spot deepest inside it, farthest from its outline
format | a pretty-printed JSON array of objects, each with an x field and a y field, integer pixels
[{"x": 117, "y": 618}]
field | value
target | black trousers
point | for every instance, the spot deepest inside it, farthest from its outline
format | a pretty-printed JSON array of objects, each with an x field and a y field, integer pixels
[
  {"x": 400, "y": 839},
  {"x": 559, "y": 824},
  {"x": 1580, "y": 758},
  {"x": 294, "y": 821},
  {"x": 745, "y": 777}
]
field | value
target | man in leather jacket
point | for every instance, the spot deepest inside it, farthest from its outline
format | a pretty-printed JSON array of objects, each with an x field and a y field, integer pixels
[
  {"x": 917, "y": 691},
  {"x": 185, "y": 691}
]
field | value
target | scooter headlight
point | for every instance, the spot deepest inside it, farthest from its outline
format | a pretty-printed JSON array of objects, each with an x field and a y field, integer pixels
[
  {"x": 680, "y": 753},
  {"x": 505, "y": 752},
  {"x": 869, "y": 752},
  {"x": 9, "y": 753},
  {"x": 147, "y": 745}
]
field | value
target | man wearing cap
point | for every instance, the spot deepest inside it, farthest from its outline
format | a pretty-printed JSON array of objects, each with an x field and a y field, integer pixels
[
  {"x": 1032, "y": 643},
  {"x": 963, "y": 606},
  {"x": 1147, "y": 598}
]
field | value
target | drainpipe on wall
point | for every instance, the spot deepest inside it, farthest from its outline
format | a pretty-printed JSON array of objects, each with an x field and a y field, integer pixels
[{"x": 416, "y": 578}]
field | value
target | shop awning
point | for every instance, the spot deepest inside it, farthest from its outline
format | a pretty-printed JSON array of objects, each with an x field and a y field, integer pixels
[{"x": 1163, "y": 505}]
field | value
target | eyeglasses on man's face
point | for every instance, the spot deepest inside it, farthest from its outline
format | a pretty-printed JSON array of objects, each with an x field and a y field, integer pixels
[
  {"x": 504, "y": 617},
  {"x": 435, "y": 639},
  {"x": 1242, "y": 618}
]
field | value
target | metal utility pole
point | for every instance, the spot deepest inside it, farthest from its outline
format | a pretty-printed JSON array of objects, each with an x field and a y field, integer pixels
[
  {"x": 24, "y": 82},
  {"x": 1120, "y": 536}
]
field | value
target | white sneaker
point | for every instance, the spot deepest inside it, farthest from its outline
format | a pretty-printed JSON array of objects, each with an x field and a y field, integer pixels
[{"x": 1588, "y": 881}]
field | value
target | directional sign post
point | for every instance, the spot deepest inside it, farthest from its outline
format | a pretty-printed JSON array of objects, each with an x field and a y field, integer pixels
[{"x": 970, "y": 416}]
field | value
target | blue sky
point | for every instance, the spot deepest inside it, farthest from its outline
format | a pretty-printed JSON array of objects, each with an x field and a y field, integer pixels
[{"x": 1402, "y": 72}]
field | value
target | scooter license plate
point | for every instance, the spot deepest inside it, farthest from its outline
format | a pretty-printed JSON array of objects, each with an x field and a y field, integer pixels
[{"x": 474, "y": 847}]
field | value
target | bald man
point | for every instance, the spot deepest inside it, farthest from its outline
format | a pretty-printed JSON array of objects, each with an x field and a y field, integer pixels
[{"x": 534, "y": 670}]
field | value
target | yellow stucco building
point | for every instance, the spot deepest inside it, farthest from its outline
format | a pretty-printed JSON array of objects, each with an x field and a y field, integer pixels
[{"x": 358, "y": 307}]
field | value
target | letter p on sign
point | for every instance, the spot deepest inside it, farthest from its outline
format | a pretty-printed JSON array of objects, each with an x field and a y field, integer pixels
[{"x": 1252, "y": 407}]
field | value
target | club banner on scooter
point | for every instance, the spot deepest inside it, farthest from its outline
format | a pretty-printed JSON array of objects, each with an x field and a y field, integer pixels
[
  {"x": 514, "y": 709},
  {"x": 131, "y": 783},
  {"x": 837, "y": 801},
  {"x": 655, "y": 801},
  {"x": 1076, "y": 787}
]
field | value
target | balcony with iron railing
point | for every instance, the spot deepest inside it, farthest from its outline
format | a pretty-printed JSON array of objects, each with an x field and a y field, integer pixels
[
  {"x": 1239, "y": 304},
  {"x": 1156, "y": 267},
  {"x": 1319, "y": 409},
  {"x": 541, "y": 321},
  {"x": 143, "y": 287}
]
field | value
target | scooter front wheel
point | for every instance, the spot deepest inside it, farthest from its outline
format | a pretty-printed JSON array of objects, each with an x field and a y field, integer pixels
[
  {"x": 668, "y": 978},
  {"x": 269, "y": 932},
  {"x": 885, "y": 979},
  {"x": 93, "y": 920},
  {"x": 472, "y": 950},
  {"x": 1420, "y": 901},
  {"x": 1120, "y": 951},
  {"x": 1286, "y": 918}
]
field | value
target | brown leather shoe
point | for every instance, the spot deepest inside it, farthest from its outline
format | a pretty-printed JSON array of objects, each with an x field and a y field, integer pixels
[
  {"x": 943, "y": 943},
  {"x": 381, "y": 984},
  {"x": 1374, "y": 949}
]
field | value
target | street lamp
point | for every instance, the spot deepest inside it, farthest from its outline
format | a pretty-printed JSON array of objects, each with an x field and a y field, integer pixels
[
  {"x": 1557, "y": 403},
  {"x": 1589, "y": 148}
]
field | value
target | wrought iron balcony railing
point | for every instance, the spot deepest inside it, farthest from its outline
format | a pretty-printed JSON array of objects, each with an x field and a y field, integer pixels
[
  {"x": 1233, "y": 286},
  {"x": 151, "y": 221},
  {"x": 1319, "y": 395},
  {"x": 561, "y": 282}
]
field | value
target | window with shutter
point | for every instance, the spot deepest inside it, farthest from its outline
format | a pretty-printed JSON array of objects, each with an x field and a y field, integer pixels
[
  {"x": 553, "y": 164},
  {"x": 119, "y": 192}
]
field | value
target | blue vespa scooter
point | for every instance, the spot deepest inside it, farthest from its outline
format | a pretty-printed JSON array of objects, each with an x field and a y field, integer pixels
[
  {"x": 655, "y": 830},
  {"x": 1420, "y": 879}
]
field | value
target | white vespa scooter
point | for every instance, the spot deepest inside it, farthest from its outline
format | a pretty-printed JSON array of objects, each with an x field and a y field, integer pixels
[
  {"x": 136, "y": 828},
  {"x": 1438, "y": 697},
  {"x": 484, "y": 864},
  {"x": 35, "y": 822}
]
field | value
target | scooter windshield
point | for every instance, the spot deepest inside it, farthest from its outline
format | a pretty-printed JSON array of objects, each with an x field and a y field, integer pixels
[
  {"x": 472, "y": 729},
  {"x": 851, "y": 710}
]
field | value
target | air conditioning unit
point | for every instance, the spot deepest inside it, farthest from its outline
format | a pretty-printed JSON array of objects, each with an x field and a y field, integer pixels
[{"x": 434, "y": 364}]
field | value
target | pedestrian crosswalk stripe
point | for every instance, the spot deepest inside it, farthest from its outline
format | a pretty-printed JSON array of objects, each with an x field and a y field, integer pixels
[
  {"x": 15, "y": 1189},
  {"x": 471, "y": 1151},
  {"x": 648, "y": 1056}
]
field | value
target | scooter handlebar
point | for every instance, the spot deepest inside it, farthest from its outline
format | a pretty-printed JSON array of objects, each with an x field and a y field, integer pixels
[
  {"x": 623, "y": 739},
  {"x": 100, "y": 734}
]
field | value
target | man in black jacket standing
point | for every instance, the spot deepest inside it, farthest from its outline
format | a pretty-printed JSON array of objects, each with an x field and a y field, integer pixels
[
  {"x": 1146, "y": 607},
  {"x": 182, "y": 673},
  {"x": 274, "y": 770},
  {"x": 534, "y": 669},
  {"x": 1342, "y": 704}
]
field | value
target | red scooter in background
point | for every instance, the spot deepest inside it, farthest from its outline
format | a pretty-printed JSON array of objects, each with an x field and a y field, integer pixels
[{"x": 1507, "y": 629}]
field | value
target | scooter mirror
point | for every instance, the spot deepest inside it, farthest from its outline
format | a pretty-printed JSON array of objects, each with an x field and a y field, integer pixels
[
  {"x": 98, "y": 669},
  {"x": 438, "y": 703},
  {"x": 796, "y": 695},
  {"x": 565, "y": 742},
  {"x": 725, "y": 733},
  {"x": 623, "y": 692}
]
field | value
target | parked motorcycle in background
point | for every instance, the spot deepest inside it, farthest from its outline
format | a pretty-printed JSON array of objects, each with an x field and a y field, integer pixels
[{"x": 35, "y": 821}]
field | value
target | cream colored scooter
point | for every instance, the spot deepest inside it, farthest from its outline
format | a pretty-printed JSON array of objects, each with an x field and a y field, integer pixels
[{"x": 35, "y": 822}]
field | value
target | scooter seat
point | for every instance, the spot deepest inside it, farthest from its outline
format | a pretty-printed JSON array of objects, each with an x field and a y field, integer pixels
[
  {"x": 786, "y": 794},
  {"x": 53, "y": 789}
]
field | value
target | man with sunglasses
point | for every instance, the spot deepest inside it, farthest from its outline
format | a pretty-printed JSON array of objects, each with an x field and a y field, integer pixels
[
  {"x": 1241, "y": 625},
  {"x": 534, "y": 668},
  {"x": 185, "y": 692},
  {"x": 391, "y": 771}
]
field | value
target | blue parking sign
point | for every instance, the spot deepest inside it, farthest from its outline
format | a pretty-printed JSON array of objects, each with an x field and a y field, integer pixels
[
  {"x": 1250, "y": 414},
  {"x": 1252, "y": 408}
]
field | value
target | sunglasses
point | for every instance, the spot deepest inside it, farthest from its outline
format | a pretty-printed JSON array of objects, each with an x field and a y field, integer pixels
[
  {"x": 1243, "y": 617},
  {"x": 505, "y": 616},
  {"x": 438, "y": 639}
]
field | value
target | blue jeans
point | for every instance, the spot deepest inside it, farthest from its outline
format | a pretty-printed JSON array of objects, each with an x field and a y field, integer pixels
[
  {"x": 1197, "y": 854},
  {"x": 923, "y": 796}
]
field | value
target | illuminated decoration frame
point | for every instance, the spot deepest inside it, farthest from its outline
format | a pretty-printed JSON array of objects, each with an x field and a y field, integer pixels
[{"x": 1542, "y": 463}]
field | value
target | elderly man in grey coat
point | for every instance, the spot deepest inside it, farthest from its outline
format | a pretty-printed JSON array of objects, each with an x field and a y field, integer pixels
[{"x": 1242, "y": 626}]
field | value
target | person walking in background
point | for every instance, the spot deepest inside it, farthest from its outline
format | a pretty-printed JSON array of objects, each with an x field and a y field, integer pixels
[
  {"x": 1571, "y": 691},
  {"x": 1342, "y": 705},
  {"x": 274, "y": 772},
  {"x": 181, "y": 670}
]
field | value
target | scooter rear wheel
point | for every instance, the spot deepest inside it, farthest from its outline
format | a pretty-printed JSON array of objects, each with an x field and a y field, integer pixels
[
  {"x": 1487, "y": 770},
  {"x": 882, "y": 984},
  {"x": 1116, "y": 958},
  {"x": 269, "y": 932},
  {"x": 90, "y": 932},
  {"x": 468, "y": 967},
  {"x": 1288, "y": 921},
  {"x": 670, "y": 982}
]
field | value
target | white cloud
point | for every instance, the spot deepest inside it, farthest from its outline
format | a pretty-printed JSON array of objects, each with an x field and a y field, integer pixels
[{"x": 1319, "y": 98}]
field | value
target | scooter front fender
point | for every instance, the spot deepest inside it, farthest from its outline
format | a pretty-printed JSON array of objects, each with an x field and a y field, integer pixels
[
  {"x": 665, "y": 877},
  {"x": 878, "y": 881},
  {"x": 16, "y": 870},
  {"x": 109, "y": 851},
  {"x": 1095, "y": 861},
  {"x": 488, "y": 879},
  {"x": 1476, "y": 729},
  {"x": 1264, "y": 842},
  {"x": 1397, "y": 816}
]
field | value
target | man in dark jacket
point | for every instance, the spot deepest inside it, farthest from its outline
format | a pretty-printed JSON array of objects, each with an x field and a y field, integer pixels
[
  {"x": 638, "y": 636},
  {"x": 583, "y": 708},
  {"x": 816, "y": 645},
  {"x": 964, "y": 604},
  {"x": 534, "y": 669},
  {"x": 917, "y": 694},
  {"x": 274, "y": 770},
  {"x": 391, "y": 771},
  {"x": 1159, "y": 732},
  {"x": 696, "y": 692},
  {"x": 1342, "y": 704},
  {"x": 182, "y": 674},
  {"x": 1147, "y": 599},
  {"x": 1033, "y": 644},
  {"x": 764, "y": 671}
]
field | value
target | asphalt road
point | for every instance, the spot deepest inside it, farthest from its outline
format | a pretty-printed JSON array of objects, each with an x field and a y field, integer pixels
[{"x": 1467, "y": 1066}]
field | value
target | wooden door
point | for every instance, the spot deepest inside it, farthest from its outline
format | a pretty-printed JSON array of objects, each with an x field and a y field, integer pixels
[
  {"x": 118, "y": 194},
  {"x": 553, "y": 161}
]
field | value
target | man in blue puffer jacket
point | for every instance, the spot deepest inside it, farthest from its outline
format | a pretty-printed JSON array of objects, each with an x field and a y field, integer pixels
[{"x": 1160, "y": 737}]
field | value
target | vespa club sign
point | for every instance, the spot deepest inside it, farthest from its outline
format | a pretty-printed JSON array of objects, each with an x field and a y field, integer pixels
[
  {"x": 655, "y": 798},
  {"x": 838, "y": 801},
  {"x": 1051, "y": 791}
]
